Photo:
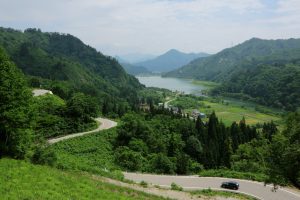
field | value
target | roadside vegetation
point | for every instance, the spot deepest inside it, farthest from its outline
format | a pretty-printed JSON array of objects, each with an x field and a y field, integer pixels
[
  {"x": 22, "y": 180},
  {"x": 230, "y": 173},
  {"x": 92, "y": 153},
  {"x": 206, "y": 193}
]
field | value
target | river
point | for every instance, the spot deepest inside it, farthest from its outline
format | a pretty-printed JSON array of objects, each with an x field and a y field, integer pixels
[{"x": 174, "y": 84}]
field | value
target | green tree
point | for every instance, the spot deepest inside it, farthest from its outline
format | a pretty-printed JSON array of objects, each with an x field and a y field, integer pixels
[
  {"x": 284, "y": 158},
  {"x": 269, "y": 129},
  {"x": 227, "y": 152},
  {"x": 128, "y": 159},
  {"x": 213, "y": 148},
  {"x": 82, "y": 106},
  {"x": 161, "y": 164},
  {"x": 183, "y": 163},
  {"x": 16, "y": 114},
  {"x": 194, "y": 147}
]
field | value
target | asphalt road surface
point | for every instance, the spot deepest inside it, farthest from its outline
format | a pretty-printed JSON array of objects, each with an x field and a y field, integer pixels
[
  {"x": 104, "y": 124},
  {"x": 253, "y": 188}
]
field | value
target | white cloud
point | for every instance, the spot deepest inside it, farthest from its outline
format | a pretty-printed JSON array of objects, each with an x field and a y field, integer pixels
[{"x": 154, "y": 26}]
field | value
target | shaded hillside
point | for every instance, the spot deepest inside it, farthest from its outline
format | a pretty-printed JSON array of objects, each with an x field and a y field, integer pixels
[
  {"x": 217, "y": 67},
  {"x": 64, "y": 58},
  {"x": 134, "y": 70},
  {"x": 171, "y": 60},
  {"x": 131, "y": 68}
]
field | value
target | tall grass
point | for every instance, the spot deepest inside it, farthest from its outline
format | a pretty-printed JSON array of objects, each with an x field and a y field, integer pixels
[{"x": 21, "y": 180}]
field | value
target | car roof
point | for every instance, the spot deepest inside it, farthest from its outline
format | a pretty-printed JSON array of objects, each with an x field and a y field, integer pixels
[{"x": 233, "y": 182}]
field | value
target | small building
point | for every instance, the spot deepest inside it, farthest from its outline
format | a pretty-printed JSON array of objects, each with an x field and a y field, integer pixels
[
  {"x": 196, "y": 113},
  {"x": 144, "y": 106},
  {"x": 40, "y": 92},
  {"x": 175, "y": 109},
  {"x": 161, "y": 104},
  {"x": 202, "y": 115}
]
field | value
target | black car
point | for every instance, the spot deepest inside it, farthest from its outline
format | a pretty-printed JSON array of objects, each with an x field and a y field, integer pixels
[{"x": 230, "y": 185}]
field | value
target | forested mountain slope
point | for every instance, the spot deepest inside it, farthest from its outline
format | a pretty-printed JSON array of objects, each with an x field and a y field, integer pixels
[
  {"x": 275, "y": 83},
  {"x": 64, "y": 58},
  {"x": 263, "y": 71},
  {"x": 218, "y": 67}
]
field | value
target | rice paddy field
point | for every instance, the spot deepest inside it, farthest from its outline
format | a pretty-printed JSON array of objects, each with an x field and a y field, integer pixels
[
  {"x": 234, "y": 112},
  {"x": 230, "y": 110}
]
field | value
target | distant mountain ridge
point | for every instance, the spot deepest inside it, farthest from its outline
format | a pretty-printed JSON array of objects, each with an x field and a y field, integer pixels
[
  {"x": 170, "y": 60},
  {"x": 218, "y": 66},
  {"x": 134, "y": 70},
  {"x": 135, "y": 57}
]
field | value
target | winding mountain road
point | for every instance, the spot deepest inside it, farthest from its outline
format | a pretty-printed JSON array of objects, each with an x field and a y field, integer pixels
[
  {"x": 104, "y": 124},
  {"x": 253, "y": 188}
]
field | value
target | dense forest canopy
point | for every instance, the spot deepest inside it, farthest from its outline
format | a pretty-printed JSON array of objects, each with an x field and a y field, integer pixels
[
  {"x": 69, "y": 64},
  {"x": 163, "y": 142},
  {"x": 269, "y": 81}
]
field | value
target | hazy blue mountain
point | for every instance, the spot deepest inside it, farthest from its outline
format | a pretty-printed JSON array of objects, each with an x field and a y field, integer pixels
[
  {"x": 134, "y": 70},
  {"x": 218, "y": 67},
  {"x": 170, "y": 60},
  {"x": 131, "y": 68},
  {"x": 135, "y": 57}
]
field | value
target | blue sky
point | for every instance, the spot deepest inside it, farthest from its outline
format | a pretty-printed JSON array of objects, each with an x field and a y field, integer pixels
[{"x": 118, "y": 27}]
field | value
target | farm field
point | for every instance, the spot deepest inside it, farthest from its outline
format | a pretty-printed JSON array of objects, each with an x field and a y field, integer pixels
[
  {"x": 232, "y": 112},
  {"x": 229, "y": 110}
]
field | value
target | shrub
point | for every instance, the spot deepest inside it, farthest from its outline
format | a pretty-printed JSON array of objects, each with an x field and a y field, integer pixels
[
  {"x": 174, "y": 186},
  {"x": 144, "y": 184}
]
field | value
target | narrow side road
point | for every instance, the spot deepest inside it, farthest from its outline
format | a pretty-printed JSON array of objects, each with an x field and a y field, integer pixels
[
  {"x": 253, "y": 188},
  {"x": 104, "y": 124}
]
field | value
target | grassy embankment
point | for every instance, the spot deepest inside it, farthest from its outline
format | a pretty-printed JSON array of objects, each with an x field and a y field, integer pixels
[
  {"x": 22, "y": 180},
  {"x": 92, "y": 153},
  {"x": 208, "y": 193}
]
